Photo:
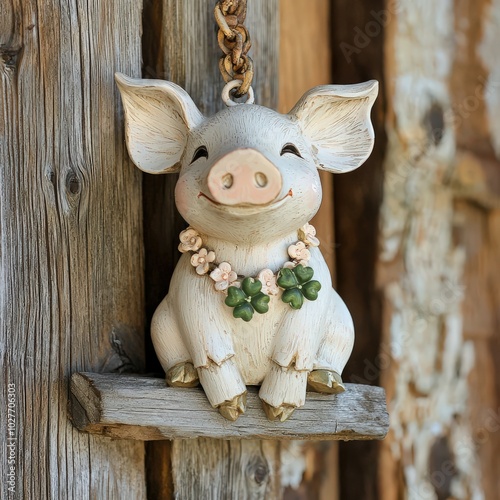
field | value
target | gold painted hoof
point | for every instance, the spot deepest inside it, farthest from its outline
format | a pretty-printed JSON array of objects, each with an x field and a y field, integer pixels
[
  {"x": 282, "y": 413},
  {"x": 231, "y": 410},
  {"x": 183, "y": 375},
  {"x": 325, "y": 381}
]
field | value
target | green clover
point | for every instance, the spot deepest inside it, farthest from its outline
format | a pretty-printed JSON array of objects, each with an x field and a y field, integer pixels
[
  {"x": 247, "y": 299},
  {"x": 298, "y": 283}
]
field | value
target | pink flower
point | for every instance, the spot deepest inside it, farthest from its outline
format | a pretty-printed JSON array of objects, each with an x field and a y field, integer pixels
[
  {"x": 299, "y": 252},
  {"x": 202, "y": 261},
  {"x": 223, "y": 276},
  {"x": 268, "y": 280},
  {"x": 190, "y": 241},
  {"x": 307, "y": 234},
  {"x": 295, "y": 263}
]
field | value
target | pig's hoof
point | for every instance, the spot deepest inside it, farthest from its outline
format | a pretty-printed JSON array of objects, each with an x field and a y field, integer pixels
[
  {"x": 325, "y": 381},
  {"x": 234, "y": 408},
  {"x": 183, "y": 375},
  {"x": 281, "y": 413}
]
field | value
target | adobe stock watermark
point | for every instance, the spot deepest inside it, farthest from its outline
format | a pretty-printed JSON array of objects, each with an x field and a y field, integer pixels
[
  {"x": 11, "y": 441},
  {"x": 454, "y": 117},
  {"x": 451, "y": 292},
  {"x": 372, "y": 29}
]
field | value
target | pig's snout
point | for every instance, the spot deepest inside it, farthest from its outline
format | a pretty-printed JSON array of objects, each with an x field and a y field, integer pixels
[{"x": 244, "y": 177}]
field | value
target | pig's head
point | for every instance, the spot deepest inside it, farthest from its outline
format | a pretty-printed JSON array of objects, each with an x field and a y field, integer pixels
[{"x": 248, "y": 173}]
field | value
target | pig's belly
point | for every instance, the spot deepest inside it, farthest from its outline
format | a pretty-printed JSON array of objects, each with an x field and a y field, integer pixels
[{"x": 253, "y": 343}]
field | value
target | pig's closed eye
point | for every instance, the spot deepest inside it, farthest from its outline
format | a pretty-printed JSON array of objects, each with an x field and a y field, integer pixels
[
  {"x": 290, "y": 148},
  {"x": 201, "y": 152}
]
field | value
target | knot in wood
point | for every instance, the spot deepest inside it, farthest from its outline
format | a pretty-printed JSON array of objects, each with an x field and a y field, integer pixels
[
  {"x": 435, "y": 123},
  {"x": 261, "y": 474},
  {"x": 73, "y": 183},
  {"x": 9, "y": 58}
]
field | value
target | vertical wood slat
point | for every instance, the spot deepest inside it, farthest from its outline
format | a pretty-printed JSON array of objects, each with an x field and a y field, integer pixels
[
  {"x": 70, "y": 221},
  {"x": 474, "y": 92},
  {"x": 304, "y": 62},
  {"x": 183, "y": 49},
  {"x": 358, "y": 196},
  {"x": 420, "y": 266}
]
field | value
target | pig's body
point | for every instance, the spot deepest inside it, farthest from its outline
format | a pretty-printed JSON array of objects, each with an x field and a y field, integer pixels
[
  {"x": 248, "y": 182},
  {"x": 194, "y": 325}
]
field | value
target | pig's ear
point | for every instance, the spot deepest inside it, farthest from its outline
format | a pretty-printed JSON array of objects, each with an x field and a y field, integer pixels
[
  {"x": 158, "y": 118},
  {"x": 336, "y": 121}
]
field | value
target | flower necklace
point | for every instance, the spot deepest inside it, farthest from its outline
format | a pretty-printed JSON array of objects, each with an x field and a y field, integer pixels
[{"x": 247, "y": 295}]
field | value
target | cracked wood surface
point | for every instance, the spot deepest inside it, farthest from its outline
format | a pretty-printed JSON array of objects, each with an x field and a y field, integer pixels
[
  {"x": 142, "y": 408},
  {"x": 70, "y": 242}
]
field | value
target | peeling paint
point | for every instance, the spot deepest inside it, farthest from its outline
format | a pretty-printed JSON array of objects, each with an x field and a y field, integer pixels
[
  {"x": 490, "y": 55},
  {"x": 427, "y": 382}
]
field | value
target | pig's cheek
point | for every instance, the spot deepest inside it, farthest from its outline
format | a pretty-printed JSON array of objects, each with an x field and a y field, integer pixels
[
  {"x": 183, "y": 198},
  {"x": 312, "y": 195}
]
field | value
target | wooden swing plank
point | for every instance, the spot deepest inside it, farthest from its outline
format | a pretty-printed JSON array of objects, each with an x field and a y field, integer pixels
[{"x": 143, "y": 408}]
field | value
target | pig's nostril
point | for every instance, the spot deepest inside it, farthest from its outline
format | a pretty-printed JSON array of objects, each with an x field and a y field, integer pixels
[
  {"x": 227, "y": 181},
  {"x": 261, "y": 179}
]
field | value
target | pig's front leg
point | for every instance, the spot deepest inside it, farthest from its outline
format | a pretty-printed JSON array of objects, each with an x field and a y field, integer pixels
[
  {"x": 334, "y": 349},
  {"x": 296, "y": 344},
  {"x": 205, "y": 323},
  {"x": 170, "y": 347}
]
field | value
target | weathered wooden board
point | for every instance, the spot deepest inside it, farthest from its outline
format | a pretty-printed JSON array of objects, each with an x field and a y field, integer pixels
[
  {"x": 70, "y": 240},
  {"x": 475, "y": 93},
  {"x": 426, "y": 359},
  {"x": 358, "y": 196},
  {"x": 305, "y": 61},
  {"x": 142, "y": 408}
]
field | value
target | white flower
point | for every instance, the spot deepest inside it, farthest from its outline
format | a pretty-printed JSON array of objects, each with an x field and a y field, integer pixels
[
  {"x": 299, "y": 252},
  {"x": 268, "y": 280},
  {"x": 190, "y": 241},
  {"x": 307, "y": 234},
  {"x": 223, "y": 276},
  {"x": 202, "y": 261}
]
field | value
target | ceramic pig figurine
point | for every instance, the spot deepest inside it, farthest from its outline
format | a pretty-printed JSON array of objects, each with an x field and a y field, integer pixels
[{"x": 251, "y": 300}]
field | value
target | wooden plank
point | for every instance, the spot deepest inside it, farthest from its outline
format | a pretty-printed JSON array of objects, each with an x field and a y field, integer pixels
[
  {"x": 71, "y": 226},
  {"x": 142, "y": 408},
  {"x": 427, "y": 360},
  {"x": 476, "y": 184},
  {"x": 182, "y": 47},
  {"x": 243, "y": 469},
  {"x": 358, "y": 196},
  {"x": 305, "y": 62}
]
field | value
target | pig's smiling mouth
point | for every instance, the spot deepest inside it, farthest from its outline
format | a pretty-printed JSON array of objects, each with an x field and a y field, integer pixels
[{"x": 247, "y": 208}]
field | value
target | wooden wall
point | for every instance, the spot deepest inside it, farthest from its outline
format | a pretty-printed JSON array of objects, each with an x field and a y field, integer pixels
[
  {"x": 475, "y": 93},
  {"x": 418, "y": 247},
  {"x": 71, "y": 282},
  {"x": 305, "y": 60},
  {"x": 413, "y": 238},
  {"x": 358, "y": 197}
]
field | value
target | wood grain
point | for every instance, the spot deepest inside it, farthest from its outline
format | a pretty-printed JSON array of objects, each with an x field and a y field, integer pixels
[
  {"x": 71, "y": 294},
  {"x": 231, "y": 469},
  {"x": 141, "y": 408}
]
